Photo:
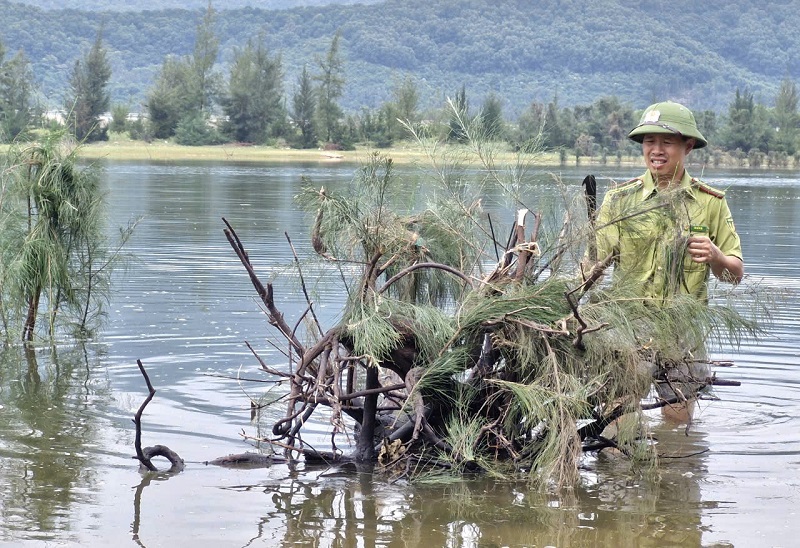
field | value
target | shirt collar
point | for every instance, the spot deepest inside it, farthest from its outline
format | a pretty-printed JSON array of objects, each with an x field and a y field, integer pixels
[{"x": 649, "y": 185}]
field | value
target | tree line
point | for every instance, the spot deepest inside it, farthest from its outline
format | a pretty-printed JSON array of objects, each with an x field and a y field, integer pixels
[
  {"x": 520, "y": 50},
  {"x": 194, "y": 103}
]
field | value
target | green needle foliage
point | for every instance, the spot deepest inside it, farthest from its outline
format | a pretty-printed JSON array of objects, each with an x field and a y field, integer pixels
[
  {"x": 513, "y": 357},
  {"x": 55, "y": 258}
]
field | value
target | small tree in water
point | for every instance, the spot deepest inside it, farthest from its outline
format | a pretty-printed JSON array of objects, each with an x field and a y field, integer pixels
[{"x": 55, "y": 258}]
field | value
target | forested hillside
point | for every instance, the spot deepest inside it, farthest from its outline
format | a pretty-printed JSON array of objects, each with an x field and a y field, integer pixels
[{"x": 694, "y": 52}]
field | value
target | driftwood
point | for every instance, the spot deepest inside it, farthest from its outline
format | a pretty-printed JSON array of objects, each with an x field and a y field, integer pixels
[
  {"x": 145, "y": 455},
  {"x": 246, "y": 460}
]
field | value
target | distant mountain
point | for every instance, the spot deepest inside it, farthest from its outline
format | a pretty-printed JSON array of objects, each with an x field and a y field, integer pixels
[
  {"x": 152, "y": 5},
  {"x": 521, "y": 50}
]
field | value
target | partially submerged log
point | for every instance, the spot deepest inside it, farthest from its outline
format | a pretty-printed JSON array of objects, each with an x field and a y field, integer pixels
[{"x": 247, "y": 460}]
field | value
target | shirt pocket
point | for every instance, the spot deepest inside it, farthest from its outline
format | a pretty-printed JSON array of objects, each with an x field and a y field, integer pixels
[
  {"x": 636, "y": 252},
  {"x": 695, "y": 275}
]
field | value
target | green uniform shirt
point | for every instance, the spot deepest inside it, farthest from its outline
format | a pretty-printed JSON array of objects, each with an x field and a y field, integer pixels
[{"x": 647, "y": 232}]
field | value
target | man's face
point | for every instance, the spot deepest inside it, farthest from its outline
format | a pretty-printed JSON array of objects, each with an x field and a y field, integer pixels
[{"x": 665, "y": 153}]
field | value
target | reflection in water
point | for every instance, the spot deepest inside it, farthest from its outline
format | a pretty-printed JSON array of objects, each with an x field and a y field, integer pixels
[
  {"x": 147, "y": 479},
  {"x": 612, "y": 507},
  {"x": 46, "y": 424}
]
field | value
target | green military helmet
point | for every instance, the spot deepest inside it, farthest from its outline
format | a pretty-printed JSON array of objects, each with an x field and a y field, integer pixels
[{"x": 668, "y": 117}]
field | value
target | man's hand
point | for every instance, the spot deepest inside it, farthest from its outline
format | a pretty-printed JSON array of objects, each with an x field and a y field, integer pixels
[
  {"x": 703, "y": 250},
  {"x": 725, "y": 267}
]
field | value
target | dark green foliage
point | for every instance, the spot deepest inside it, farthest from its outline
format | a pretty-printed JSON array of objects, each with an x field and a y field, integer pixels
[
  {"x": 707, "y": 123},
  {"x": 583, "y": 57},
  {"x": 204, "y": 81},
  {"x": 196, "y": 130},
  {"x": 169, "y": 99},
  {"x": 185, "y": 86},
  {"x": 303, "y": 112},
  {"x": 383, "y": 126},
  {"x": 405, "y": 101},
  {"x": 491, "y": 116},
  {"x": 747, "y": 126},
  {"x": 530, "y": 124},
  {"x": 558, "y": 126},
  {"x": 608, "y": 121},
  {"x": 16, "y": 96},
  {"x": 119, "y": 118},
  {"x": 88, "y": 97},
  {"x": 139, "y": 130},
  {"x": 330, "y": 86},
  {"x": 345, "y": 136},
  {"x": 376, "y": 128},
  {"x": 254, "y": 102},
  {"x": 786, "y": 118}
]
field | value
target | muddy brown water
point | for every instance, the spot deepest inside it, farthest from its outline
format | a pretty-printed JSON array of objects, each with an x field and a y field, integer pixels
[{"x": 185, "y": 307}]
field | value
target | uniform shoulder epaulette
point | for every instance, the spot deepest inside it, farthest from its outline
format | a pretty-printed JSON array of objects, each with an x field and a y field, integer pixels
[{"x": 702, "y": 187}]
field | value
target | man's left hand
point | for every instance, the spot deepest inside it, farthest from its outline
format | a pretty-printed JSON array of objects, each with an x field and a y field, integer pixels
[
  {"x": 703, "y": 250},
  {"x": 725, "y": 267}
]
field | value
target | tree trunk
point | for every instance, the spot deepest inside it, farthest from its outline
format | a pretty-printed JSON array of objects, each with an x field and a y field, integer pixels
[
  {"x": 365, "y": 447},
  {"x": 30, "y": 321}
]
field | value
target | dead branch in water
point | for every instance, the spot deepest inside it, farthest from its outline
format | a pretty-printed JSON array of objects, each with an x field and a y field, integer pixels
[
  {"x": 145, "y": 455},
  {"x": 317, "y": 376},
  {"x": 437, "y": 361}
]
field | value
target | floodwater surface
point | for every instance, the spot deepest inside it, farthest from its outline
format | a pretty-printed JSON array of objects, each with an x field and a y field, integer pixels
[{"x": 185, "y": 307}]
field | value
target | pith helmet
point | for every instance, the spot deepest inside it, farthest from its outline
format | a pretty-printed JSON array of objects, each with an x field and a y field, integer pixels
[{"x": 668, "y": 117}]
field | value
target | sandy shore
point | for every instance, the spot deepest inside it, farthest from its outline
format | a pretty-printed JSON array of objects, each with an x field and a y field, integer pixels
[
  {"x": 167, "y": 151},
  {"x": 403, "y": 154}
]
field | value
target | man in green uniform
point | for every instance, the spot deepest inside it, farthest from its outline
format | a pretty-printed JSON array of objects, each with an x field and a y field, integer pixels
[{"x": 667, "y": 231}]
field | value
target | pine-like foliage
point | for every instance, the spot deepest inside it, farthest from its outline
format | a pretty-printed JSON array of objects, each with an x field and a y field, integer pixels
[
  {"x": 514, "y": 361},
  {"x": 55, "y": 257},
  {"x": 89, "y": 97}
]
